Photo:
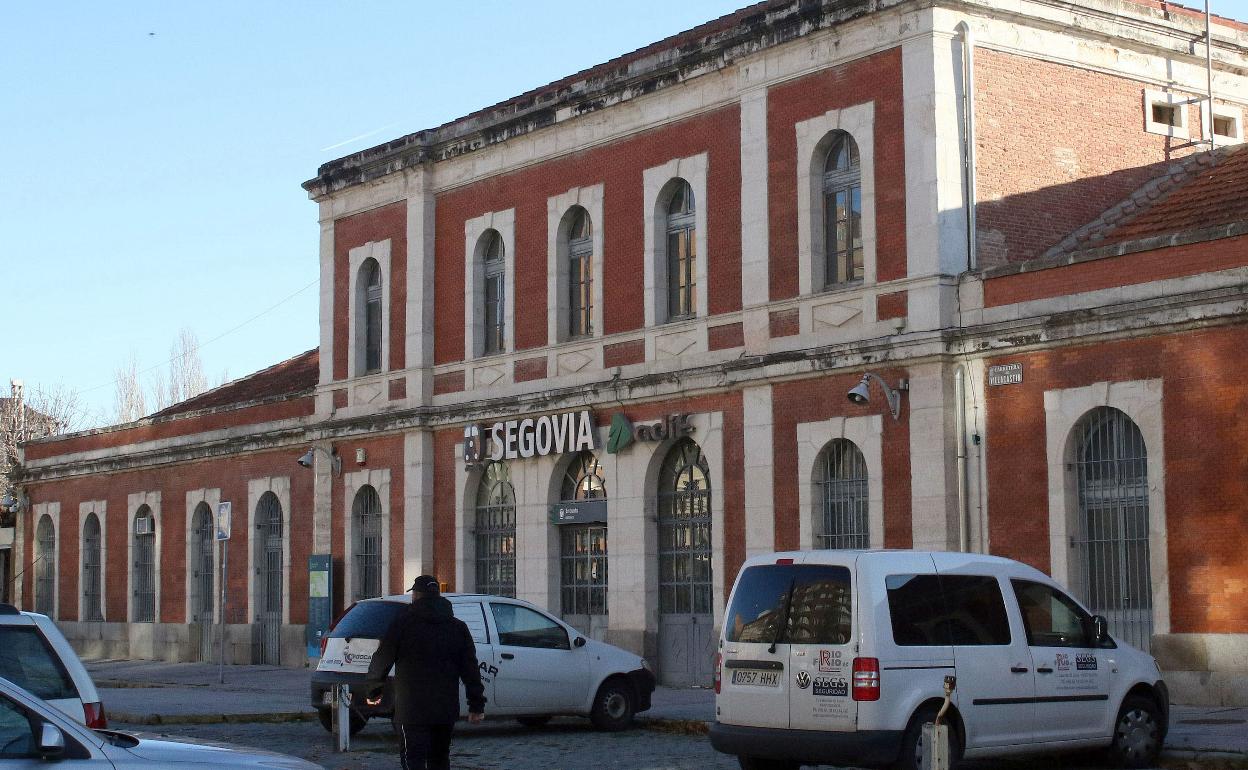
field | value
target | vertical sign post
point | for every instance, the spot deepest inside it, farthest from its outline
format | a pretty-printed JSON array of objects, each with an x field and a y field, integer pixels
[
  {"x": 223, "y": 537},
  {"x": 320, "y": 591}
]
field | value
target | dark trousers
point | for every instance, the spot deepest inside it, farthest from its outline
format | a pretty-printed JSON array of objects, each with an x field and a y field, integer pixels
[{"x": 425, "y": 747}]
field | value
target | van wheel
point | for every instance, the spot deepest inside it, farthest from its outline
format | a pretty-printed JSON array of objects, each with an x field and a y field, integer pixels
[
  {"x": 1137, "y": 733},
  {"x": 533, "y": 721},
  {"x": 755, "y": 763},
  {"x": 326, "y": 717},
  {"x": 613, "y": 706},
  {"x": 911, "y": 755}
]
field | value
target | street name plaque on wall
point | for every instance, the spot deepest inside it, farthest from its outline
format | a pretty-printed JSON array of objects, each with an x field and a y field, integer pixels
[{"x": 1005, "y": 374}]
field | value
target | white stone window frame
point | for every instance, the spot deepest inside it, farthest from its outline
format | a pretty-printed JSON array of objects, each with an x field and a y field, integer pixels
[
  {"x": 379, "y": 480},
  {"x": 356, "y": 307},
  {"x": 53, "y": 512},
  {"x": 866, "y": 433},
  {"x": 814, "y": 138},
  {"x": 212, "y": 497},
  {"x": 558, "y": 207},
  {"x": 1140, "y": 400},
  {"x": 504, "y": 222},
  {"x": 1232, "y": 112},
  {"x": 100, "y": 509},
  {"x": 1161, "y": 98},
  {"x": 656, "y": 192},
  {"x": 280, "y": 487},
  {"x": 135, "y": 502}
]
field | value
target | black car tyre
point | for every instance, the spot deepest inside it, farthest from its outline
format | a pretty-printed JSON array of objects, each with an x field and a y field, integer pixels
[
  {"x": 757, "y": 763},
  {"x": 326, "y": 717},
  {"x": 1137, "y": 733},
  {"x": 911, "y": 756},
  {"x": 533, "y": 721},
  {"x": 614, "y": 706}
]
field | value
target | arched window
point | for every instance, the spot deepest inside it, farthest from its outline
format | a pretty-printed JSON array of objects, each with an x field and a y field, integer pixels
[
  {"x": 203, "y": 572},
  {"x": 842, "y": 212},
  {"x": 45, "y": 575},
  {"x": 841, "y": 480},
  {"x": 270, "y": 562},
  {"x": 583, "y": 551},
  {"x": 580, "y": 250},
  {"x": 366, "y": 528},
  {"x": 144, "y": 581},
  {"x": 495, "y": 319},
  {"x": 685, "y": 532},
  {"x": 91, "y": 588},
  {"x": 495, "y": 533},
  {"x": 681, "y": 252},
  {"x": 370, "y": 315},
  {"x": 1112, "y": 542}
]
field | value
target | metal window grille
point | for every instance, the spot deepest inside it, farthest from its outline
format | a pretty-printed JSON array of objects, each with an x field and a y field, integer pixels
[
  {"x": 270, "y": 534},
  {"x": 1112, "y": 545},
  {"x": 366, "y": 511},
  {"x": 91, "y": 609},
  {"x": 45, "y": 575},
  {"x": 372, "y": 316},
  {"x": 685, "y": 532},
  {"x": 580, "y": 275},
  {"x": 583, "y": 547},
  {"x": 144, "y": 566},
  {"x": 842, "y": 212},
  {"x": 495, "y": 532},
  {"x": 843, "y": 484},
  {"x": 681, "y": 252},
  {"x": 203, "y": 567},
  {"x": 495, "y": 305}
]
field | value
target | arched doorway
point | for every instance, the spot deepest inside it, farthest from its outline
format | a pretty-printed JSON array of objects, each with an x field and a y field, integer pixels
[
  {"x": 203, "y": 572},
  {"x": 270, "y": 565},
  {"x": 1112, "y": 546},
  {"x": 686, "y": 598},
  {"x": 583, "y": 549}
]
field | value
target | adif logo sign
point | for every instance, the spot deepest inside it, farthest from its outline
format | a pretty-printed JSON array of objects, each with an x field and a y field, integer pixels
[{"x": 530, "y": 437}]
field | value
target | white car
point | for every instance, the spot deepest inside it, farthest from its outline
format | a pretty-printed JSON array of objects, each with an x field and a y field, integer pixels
[
  {"x": 33, "y": 734},
  {"x": 840, "y": 657},
  {"x": 533, "y": 666},
  {"x": 37, "y": 657}
]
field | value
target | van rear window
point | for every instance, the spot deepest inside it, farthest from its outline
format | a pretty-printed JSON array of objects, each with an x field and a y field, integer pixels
[
  {"x": 940, "y": 610},
  {"x": 369, "y": 620},
  {"x": 28, "y": 661},
  {"x": 791, "y": 603}
]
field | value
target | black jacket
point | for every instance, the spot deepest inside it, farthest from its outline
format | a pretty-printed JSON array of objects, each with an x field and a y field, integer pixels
[{"x": 432, "y": 652}]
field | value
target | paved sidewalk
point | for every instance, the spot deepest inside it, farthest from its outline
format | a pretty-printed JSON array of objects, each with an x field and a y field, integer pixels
[{"x": 147, "y": 692}]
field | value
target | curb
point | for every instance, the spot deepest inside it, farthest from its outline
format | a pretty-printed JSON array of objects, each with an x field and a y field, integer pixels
[
  {"x": 1204, "y": 758},
  {"x": 211, "y": 719}
]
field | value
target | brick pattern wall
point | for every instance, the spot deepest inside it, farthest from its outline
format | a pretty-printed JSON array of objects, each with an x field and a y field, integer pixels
[
  {"x": 1051, "y": 160},
  {"x": 530, "y": 369},
  {"x": 1206, "y": 461},
  {"x": 618, "y": 167},
  {"x": 448, "y": 382},
  {"x": 784, "y": 323},
  {"x": 623, "y": 353},
  {"x": 894, "y": 305},
  {"x": 726, "y": 336},
  {"x": 875, "y": 79},
  {"x": 377, "y": 224}
]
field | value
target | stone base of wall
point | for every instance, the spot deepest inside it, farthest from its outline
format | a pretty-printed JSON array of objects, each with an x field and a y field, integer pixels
[
  {"x": 1204, "y": 669},
  {"x": 179, "y": 643}
]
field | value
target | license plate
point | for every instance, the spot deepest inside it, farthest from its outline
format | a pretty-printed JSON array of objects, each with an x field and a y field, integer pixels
[
  {"x": 327, "y": 697},
  {"x": 756, "y": 678}
]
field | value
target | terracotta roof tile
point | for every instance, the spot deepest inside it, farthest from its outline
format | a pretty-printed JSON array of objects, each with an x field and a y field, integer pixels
[{"x": 290, "y": 377}]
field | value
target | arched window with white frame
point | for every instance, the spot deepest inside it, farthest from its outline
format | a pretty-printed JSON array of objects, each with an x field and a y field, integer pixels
[
  {"x": 841, "y": 497},
  {"x": 369, "y": 323},
  {"x": 495, "y": 531},
  {"x": 366, "y": 532},
  {"x": 842, "y": 212},
  {"x": 680, "y": 256},
  {"x": 579, "y": 244},
  {"x": 494, "y": 317},
  {"x": 45, "y": 572},
  {"x": 144, "y": 575},
  {"x": 92, "y": 599}
]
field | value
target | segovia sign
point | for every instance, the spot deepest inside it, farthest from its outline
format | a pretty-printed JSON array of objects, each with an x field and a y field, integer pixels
[{"x": 530, "y": 437}]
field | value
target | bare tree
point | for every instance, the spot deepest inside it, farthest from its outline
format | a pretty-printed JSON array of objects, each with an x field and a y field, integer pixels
[
  {"x": 128, "y": 401},
  {"x": 36, "y": 412}
]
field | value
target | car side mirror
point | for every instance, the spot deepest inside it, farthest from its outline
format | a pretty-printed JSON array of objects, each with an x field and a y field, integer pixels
[
  {"x": 578, "y": 641},
  {"x": 1100, "y": 630},
  {"x": 51, "y": 741}
]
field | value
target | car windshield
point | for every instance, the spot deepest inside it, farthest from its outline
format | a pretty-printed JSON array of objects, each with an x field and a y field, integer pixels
[
  {"x": 367, "y": 619},
  {"x": 28, "y": 661}
]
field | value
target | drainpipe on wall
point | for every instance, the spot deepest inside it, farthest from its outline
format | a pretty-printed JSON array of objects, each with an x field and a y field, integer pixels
[
  {"x": 968, "y": 138},
  {"x": 964, "y": 510}
]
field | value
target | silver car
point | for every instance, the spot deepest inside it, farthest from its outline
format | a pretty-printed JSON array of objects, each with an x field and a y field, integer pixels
[{"x": 32, "y": 734}]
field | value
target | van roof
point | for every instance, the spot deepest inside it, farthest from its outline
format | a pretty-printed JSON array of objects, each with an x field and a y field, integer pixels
[
  {"x": 452, "y": 597},
  {"x": 943, "y": 559}
]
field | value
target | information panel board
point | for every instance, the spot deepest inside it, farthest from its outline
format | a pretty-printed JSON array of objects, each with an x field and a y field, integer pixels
[{"x": 320, "y": 598}]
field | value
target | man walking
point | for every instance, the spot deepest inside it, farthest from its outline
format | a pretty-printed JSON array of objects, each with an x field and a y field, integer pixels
[{"x": 432, "y": 652}]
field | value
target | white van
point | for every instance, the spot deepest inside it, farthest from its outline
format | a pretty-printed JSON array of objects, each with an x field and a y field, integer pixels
[
  {"x": 839, "y": 657},
  {"x": 38, "y": 658}
]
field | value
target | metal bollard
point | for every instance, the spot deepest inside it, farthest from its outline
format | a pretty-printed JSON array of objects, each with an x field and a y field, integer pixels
[
  {"x": 937, "y": 753},
  {"x": 342, "y": 717}
]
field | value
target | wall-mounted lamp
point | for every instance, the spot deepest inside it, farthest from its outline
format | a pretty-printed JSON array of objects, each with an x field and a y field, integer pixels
[
  {"x": 310, "y": 455},
  {"x": 861, "y": 393}
]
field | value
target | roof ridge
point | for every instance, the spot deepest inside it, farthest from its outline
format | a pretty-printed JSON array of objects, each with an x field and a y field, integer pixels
[{"x": 231, "y": 383}]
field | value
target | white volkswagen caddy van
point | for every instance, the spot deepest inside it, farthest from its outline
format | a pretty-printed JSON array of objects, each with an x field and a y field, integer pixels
[{"x": 839, "y": 657}]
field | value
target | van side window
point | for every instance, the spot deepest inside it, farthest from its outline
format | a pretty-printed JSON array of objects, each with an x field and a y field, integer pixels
[
  {"x": 473, "y": 617},
  {"x": 30, "y": 662},
  {"x": 522, "y": 627},
  {"x": 931, "y": 610},
  {"x": 797, "y": 604},
  {"x": 1052, "y": 618}
]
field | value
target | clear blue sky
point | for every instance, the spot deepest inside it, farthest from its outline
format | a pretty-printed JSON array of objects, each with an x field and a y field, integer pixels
[{"x": 153, "y": 152}]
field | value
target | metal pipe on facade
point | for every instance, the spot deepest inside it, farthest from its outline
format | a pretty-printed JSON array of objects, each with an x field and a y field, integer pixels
[
  {"x": 968, "y": 138},
  {"x": 964, "y": 511},
  {"x": 1207, "y": 118}
]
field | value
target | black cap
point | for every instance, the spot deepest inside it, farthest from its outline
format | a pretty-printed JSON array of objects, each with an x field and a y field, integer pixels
[{"x": 426, "y": 584}]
